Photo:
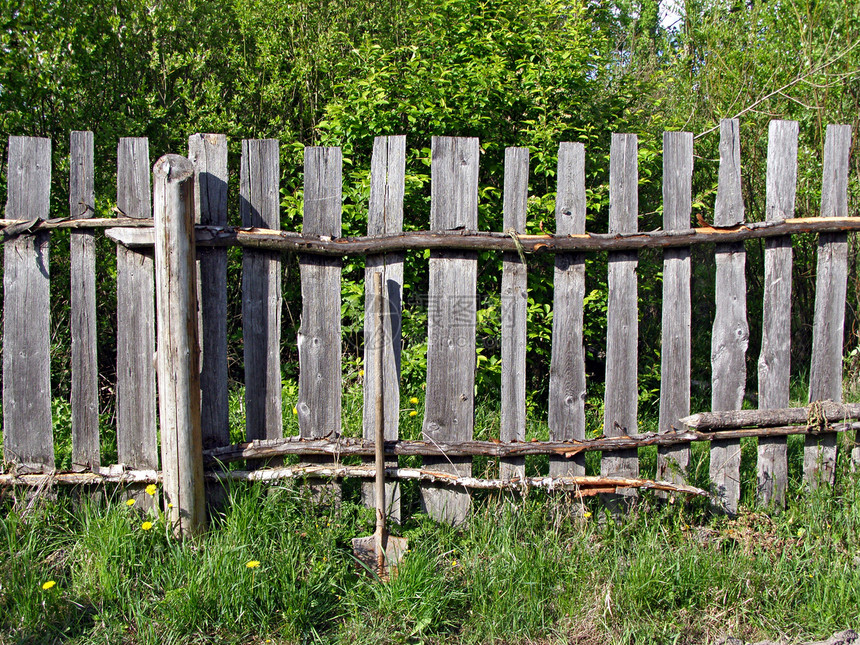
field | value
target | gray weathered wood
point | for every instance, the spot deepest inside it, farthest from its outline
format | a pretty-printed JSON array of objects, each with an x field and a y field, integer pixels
[
  {"x": 622, "y": 316},
  {"x": 825, "y": 374},
  {"x": 449, "y": 404},
  {"x": 85, "y": 393},
  {"x": 178, "y": 351},
  {"x": 814, "y": 415},
  {"x": 320, "y": 375},
  {"x": 385, "y": 217},
  {"x": 27, "y": 430},
  {"x": 775, "y": 359},
  {"x": 673, "y": 462},
  {"x": 259, "y": 203},
  {"x": 566, "y": 414},
  {"x": 514, "y": 309},
  {"x": 208, "y": 153},
  {"x": 730, "y": 332},
  {"x": 137, "y": 439}
]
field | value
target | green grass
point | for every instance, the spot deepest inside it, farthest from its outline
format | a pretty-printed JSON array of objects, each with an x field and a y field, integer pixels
[{"x": 526, "y": 570}]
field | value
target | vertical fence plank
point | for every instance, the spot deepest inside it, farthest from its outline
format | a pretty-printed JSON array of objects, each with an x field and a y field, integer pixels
[
  {"x": 27, "y": 430},
  {"x": 85, "y": 394},
  {"x": 731, "y": 332},
  {"x": 259, "y": 201},
  {"x": 320, "y": 376},
  {"x": 450, "y": 399},
  {"x": 137, "y": 439},
  {"x": 775, "y": 359},
  {"x": 673, "y": 461},
  {"x": 825, "y": 374},
  {"x": 178, "y": 351},
  {"x": 622, "y": 316},
  {"x": 384, "y": 217},
  {"x": 566, "y": 414},
  {"x": 514, "y": 309},
  {"x": 208, "y": 154}
]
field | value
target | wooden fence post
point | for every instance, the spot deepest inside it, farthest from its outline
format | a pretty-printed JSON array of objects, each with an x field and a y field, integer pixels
[
  {"x": 514, "y": 311},
  {"x": 731, "y": 332},
  {"x": 384, "y": 217},
  {"x": 449, "y": 412},
  {"x": 85, "y": 393},
  {"x": 137, "y": 435},
  {"x": 831, "y": 286},
  {"x": 622, "y": 311},
  {"x": 566, "y": 414},
  {"x": 673, "y": 462},
  {"x": 27, "y": 429},
  {"x": 774, "y": 362},
  {"x": 178, "y": 351}
]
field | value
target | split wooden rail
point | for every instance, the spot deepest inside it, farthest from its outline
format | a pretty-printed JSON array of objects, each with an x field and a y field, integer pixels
[{"x": 454, "y": 243}]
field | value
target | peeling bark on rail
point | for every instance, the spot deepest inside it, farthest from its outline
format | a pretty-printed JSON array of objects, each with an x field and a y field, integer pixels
[
  {"x": 580, "y": 486},
  {"x": 287, "y": 241},
  {"x": 345, "y": 446}
]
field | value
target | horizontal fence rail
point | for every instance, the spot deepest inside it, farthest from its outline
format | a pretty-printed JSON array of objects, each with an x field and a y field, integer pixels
[{"x": 453, "y": 241}]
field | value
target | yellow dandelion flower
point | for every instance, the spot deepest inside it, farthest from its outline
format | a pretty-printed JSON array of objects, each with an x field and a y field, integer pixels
[
  {"x": 170, "y": 506},
  {"x": 150, "y": 490},
  {"x": 414, "y": 400},
  {"x": 453, "y": 563},
  {"x": 131, "y": 502},
  {"x": 252, "y": 564},
  {"x": 146, "y": 526},
  {"x": 413, "y": 413},
  {"x": 49, "y": 584},
  {"x": 295, "y": 410},
  {"x": 587, "y": 514},
  {"x": 361, "y": 372}
]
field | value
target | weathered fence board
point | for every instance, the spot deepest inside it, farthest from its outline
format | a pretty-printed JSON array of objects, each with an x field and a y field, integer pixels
[
  {"x": 259, "y": 202},
  {"x": 514, "y": 309},
  {"x": 137, "y": 438},
  {"x": 27, "y": 430},
  {"x": 385, "y": 217},
  {"x": 774, "y": 361},
  {"x": 450, "y": 396},
  {"x": 622, "y": 316},
  {"x": 85, "y": 393},
  {"x": 178, "y": 350},
  {"x": 730, "y": 332},
  {"x": 566, "y": 414},
  {"x": 825, "y": 375},
  {"x": 320, "y": 378},
  {"x": 673, "y": 462},
  {"x": 208, "y": 154}
]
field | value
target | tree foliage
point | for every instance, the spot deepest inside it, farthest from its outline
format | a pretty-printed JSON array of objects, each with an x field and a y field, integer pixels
[{"x": 531, "y": 73}]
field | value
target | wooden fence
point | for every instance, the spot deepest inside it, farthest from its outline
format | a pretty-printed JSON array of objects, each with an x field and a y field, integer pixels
[{"x": 198, "y": 189}]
